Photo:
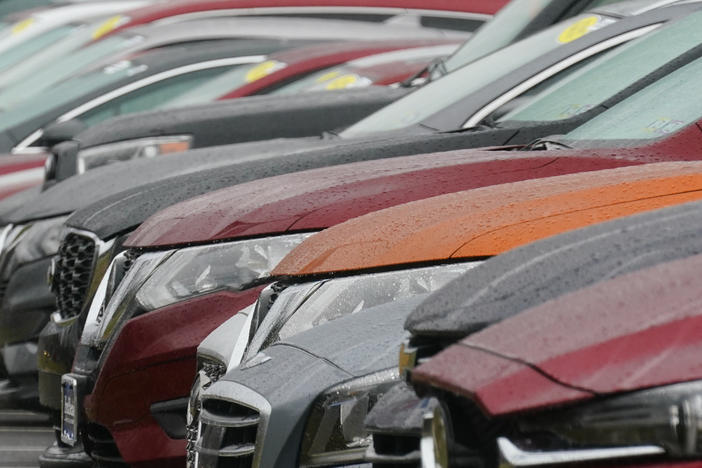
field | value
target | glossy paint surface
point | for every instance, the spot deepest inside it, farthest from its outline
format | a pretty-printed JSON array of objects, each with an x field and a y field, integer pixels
[
  {"x": 19, "y": 172},
  {"x": 491, "y": 220},
  {"x": 636, "y": 331},
  {"x": 153, "y": 360}
]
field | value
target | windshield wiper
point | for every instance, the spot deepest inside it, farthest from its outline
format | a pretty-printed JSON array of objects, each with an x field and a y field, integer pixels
[
  {"x": 547, "y": 144},
  {"x": 435, "y": 67}
]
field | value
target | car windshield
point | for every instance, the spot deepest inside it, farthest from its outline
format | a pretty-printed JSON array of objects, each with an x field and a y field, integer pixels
[
  {"x": 36, "y": 44},
  {"x": 611, "y": 73},
  {"x": 68, "y": 90},
  {"x": 658, "y": 110},
  {"x": 504, "y": 29},
  {"x": 225, "y": 83},
  {"x": 51, "y": 47},
  {"x": 455, "y": 86},
  {"x": 53, "y": 74}
]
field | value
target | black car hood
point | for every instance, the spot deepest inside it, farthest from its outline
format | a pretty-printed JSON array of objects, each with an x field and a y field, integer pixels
[
  {"x": 120, "y": 212},
  {"x": 245, "y": 119},
  {"x": 301, "y": 368},
  {"x": 514, "y": 281}
]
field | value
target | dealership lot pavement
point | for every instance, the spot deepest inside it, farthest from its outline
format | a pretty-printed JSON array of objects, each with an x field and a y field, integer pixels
[{"x": 23, "y": 436}]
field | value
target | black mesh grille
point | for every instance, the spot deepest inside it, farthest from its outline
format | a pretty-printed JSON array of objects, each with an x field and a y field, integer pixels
[
  {"x": 393, "y": 450},
  {"x": 101, "y": 447},
  {"x": 3, "y": 288},
  {"x": 74, "y": 269}
]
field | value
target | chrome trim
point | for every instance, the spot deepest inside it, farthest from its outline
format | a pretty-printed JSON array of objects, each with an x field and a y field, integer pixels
[
  {"x": 239, "y": 394},
  {"x": 480, "y": 115},
  {"x": 512, "y": 456},
  {"x": 234, "y": 421},
  {"x": 58, "y": 319},
  {"x": 3, "y": 236}
]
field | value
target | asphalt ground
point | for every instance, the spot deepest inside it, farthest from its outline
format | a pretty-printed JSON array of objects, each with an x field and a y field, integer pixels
[{"x": 23, "y": 437}]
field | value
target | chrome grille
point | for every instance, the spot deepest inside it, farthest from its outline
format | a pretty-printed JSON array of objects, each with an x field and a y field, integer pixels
[
  {"x": 73, "y": 272},
  {"x": 210, "y": 373},
  {"x": 227, "y": 435}
]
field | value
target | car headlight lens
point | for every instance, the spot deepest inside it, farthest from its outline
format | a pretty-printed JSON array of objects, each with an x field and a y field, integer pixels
[
  {"x": 664, "y": 420},
  {"x": 200, "y": 270},
  {"x": 335, "y": 431},
  {"x": 30, "y": 242},
  {"x": 91, "y": 158},
  {"x": 159, "y": 279},
  {"x": 301, "y": 307}
]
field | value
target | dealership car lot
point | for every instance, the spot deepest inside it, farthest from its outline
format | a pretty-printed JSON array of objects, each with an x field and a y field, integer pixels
[{"x": 321, "y": 233}]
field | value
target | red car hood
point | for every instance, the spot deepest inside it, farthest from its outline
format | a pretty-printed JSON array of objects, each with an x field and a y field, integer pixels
[
  {"x": 19, "y": 172},
  {"x": 637, "y": 331},
  {"x": 317, "y": 199},
  {"x": 320, "y": 198}
]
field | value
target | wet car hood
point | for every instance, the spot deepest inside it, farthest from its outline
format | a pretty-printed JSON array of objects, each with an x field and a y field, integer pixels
[
  {"x": 639, "y": 330},
  {"x": 329, "y": 354},
  {"x": 490, "y": 220},
  {"x": 81, "y": 191},
  {"x": 324, "y": 197},
  {"x": 505, "y": 285},
  {"x": 125, "y": 210}
]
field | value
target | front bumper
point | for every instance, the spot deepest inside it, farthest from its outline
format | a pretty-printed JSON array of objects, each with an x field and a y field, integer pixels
[{"x": 151, "y": 365}]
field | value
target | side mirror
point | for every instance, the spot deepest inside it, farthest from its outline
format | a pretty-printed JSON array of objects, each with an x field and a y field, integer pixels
[
  {"x": 62, "y": 163},
  {"x": 58, "y": 132}
]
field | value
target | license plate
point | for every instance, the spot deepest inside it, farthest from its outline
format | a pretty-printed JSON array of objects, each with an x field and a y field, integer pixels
[{"x": 69, "y": 409}]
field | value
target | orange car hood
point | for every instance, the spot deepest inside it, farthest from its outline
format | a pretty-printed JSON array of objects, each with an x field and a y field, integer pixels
[{"x": 490, "y": 220}]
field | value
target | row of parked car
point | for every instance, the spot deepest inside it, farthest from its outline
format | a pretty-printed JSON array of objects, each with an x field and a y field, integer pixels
[{"x": 353, "y": 232}]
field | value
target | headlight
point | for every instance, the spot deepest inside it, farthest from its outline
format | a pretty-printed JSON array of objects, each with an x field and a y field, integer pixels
[
  {"x": 335, "y": 431},
  {"x": 301, "y": 307},
  {"x": 157, "y": 280},
  {"x": 91, "y": 158},
  {"x": 665, "y": 420},
  {"x": 30, "y": 242}
]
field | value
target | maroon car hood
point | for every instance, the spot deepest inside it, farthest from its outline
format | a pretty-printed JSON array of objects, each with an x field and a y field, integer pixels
[
  {"x": 317, "y": 199},
  {"x": 320, "y": 198},
  {"x": 639, "y": 330}
]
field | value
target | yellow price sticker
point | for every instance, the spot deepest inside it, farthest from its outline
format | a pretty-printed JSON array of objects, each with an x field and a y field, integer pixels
[
  {"x": 328, "y": 76},
  {"x": 342, "y": 82},
  {"x": 108, "y": 25},
  {"x": 22, "y": 26},
  {"x": 578, "y": 29},
  {"x": 263, "y": 69}
]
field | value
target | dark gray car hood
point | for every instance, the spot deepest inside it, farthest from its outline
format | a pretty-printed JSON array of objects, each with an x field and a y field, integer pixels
[
  {"x": 304, "y": 366},
  {"x": 80, "y": 191},
  {"x": 509, "y": 283},
  {"x": 243, "y": 119}
]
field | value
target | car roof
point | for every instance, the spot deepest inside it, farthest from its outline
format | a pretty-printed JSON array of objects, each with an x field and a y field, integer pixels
[
  {"x": 487, "y": 221},
  {"x": 188, "y": 9}
]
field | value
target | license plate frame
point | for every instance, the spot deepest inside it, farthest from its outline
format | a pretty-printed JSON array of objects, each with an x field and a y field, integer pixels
[{"x": 70, "y": 413}]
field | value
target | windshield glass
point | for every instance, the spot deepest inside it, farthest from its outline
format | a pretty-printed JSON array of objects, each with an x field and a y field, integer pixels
[
  {"x": 36, "y": 44},
  {"x": 226, "y": 83},
  {"x": 67, "y": 91},
  {"x": 455, "y": 86},
  {"x": 57, "y": 71},
  {"x": 55, "y": 46},
  {"x": 508, "y": 25},
  {"x": 658, "y": 110},
  {"x": 611, "y": 73}
]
